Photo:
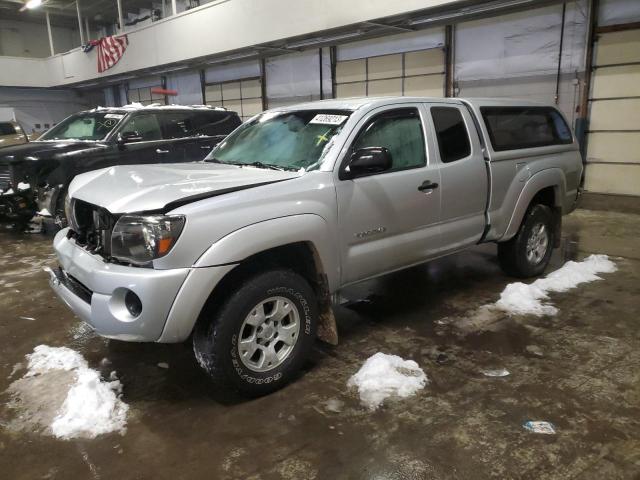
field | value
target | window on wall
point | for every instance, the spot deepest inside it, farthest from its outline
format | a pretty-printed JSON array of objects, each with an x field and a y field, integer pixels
[
  {"x": 145, "y": 97},
  {"x": 241, "y": 96},
  {"x": 419, "y": 73}
]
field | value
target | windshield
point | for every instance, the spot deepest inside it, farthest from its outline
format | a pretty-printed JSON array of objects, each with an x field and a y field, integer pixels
[
  {"x": 84, "y": 126},
  {"x": 282, "y": 140}
]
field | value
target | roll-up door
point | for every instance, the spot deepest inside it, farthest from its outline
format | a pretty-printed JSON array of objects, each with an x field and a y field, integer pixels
[
  {"x": 417, "y": 73},
  {"x": 613, "y": 144},
  {"x": 242, "y": 96}
]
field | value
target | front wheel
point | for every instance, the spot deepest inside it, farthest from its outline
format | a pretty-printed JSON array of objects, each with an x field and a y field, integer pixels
[
  {"x": 258, "y": 339},
  {"x": 528, "y": 253}
]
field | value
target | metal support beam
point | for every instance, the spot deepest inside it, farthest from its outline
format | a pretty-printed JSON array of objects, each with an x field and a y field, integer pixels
[
  {"x": 320, "y": 71},
  {"x": 120, "y": 17},
  {"x": 449, "y": 87},
  {"x": 50, "y": 35},
  {"x": 79, "y": 22},
  {"x": 582, "y": 123},
  {"x": 263, "y": 83},
  {"x": 86, "y": 28},
  {"x": 559, "y": 72},
  {"x": 174, "y": 7}
]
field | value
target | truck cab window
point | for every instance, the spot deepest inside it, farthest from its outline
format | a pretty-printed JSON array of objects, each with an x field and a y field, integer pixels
[
  {"x": 453, "y": 138},
  {"x": 400, "y": 131}
]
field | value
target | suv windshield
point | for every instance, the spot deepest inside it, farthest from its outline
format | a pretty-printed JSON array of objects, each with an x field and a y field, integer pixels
[
  {"x": 84, "y": 126},
  {"x": 282, "y": 140}
]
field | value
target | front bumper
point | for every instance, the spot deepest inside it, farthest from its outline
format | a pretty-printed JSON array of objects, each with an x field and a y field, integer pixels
[{"x": 95, "y": 290}]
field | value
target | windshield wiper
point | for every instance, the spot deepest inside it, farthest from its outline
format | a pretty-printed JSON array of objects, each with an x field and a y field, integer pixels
[{"x": 269, "y": 166}]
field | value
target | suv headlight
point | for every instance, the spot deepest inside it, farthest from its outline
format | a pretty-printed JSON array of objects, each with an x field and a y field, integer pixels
[{"x": 139, "y": 239}]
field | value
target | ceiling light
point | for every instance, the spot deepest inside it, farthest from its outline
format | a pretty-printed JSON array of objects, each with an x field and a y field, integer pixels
[{"x": 33, "y": 4}]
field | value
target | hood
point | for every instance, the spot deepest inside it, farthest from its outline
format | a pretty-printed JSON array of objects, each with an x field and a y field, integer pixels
[
  {"x": 40, "y": 150},
  {"x": 143, "y": 188}
]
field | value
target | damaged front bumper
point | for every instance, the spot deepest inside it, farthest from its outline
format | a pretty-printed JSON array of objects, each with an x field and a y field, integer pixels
[{"x": 102, "y": 293}]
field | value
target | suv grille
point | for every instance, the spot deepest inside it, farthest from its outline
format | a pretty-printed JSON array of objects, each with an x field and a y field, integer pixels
[
  {"x": 92, "y": 227},
  {"x": 5, "y": 177}
]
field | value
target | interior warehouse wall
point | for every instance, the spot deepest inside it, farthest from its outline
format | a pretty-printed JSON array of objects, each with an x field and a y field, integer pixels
[
  {"x": 516, "y": 55},
  {"x": 29, "y": 39},
  {"x": 40, "y": 106}
]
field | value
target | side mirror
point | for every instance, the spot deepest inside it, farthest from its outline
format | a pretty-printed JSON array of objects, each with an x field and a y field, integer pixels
[
  {"x": 367, "y": 161},
  {"x": 129, "y": 137}
]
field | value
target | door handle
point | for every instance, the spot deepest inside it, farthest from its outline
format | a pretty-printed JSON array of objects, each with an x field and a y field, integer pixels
[
  {"x": 159, "y": 150},
  {"x": 427, "y": 185}
]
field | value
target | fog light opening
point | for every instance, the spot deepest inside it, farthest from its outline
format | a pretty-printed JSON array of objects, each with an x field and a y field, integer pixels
[{"x": 133, "y": 303}]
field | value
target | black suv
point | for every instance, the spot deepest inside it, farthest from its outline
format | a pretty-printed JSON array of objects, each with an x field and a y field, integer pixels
[{"x": 35, "y": 176}]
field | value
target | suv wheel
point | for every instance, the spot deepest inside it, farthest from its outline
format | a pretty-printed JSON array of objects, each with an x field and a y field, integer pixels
[
  {"x": 528, "y": 253},
  {"x": 259, "y": 338}
]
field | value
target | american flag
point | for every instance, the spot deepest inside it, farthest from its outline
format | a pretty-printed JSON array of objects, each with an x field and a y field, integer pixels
[{"x": 110, "y": 50}]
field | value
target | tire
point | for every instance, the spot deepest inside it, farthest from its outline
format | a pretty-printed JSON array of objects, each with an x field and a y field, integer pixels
[
  {"x": 237, "y": 326},
  {"x": 517, "y": 257}
]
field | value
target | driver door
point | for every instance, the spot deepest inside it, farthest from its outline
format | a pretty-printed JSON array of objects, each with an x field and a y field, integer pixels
[{"x": 389, "y": 220}]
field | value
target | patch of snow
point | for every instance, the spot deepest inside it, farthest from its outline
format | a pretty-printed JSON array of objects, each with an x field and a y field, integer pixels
[
  {"x": 522, "y": 299},
  {"x": 538, "y": 426},
  {"x": 499, "y": 372},
  {"x": 27, "y": 318},
  {"x": 8, "y": 192},
  {"x": 23, "y": 186},
  {"x": 92, "y": 406},
  {"x": 334, "y": 405},
  {"x": 383, "y": 376},
  {"x": 45, "y": 358},
  {"x": 163, "y": 365},
  {"x": 44, "y": 213}
]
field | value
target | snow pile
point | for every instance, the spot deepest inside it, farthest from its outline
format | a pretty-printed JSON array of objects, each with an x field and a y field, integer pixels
[
  {"x": 91, "y": 407},
  {"x": 522, "y": 299},
  {"x": 383, "y": 376},
  {"x": 23, "y": 186}
]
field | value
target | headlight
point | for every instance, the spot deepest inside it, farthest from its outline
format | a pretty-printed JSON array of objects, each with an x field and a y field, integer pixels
[{"x": 139, "y": 239}]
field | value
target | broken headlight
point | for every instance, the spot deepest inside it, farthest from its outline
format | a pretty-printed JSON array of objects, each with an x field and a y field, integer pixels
[{"x": 139, "y": 239}]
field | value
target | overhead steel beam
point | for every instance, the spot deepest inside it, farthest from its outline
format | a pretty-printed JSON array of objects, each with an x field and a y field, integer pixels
[
  {"x": 50, "y": 35},
  {"x": 79, "y": 22}
]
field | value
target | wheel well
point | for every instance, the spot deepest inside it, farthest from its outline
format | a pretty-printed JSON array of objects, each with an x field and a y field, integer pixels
[
  {"x": 547, "y": 196},
  {"x": 300, "y": 257}
]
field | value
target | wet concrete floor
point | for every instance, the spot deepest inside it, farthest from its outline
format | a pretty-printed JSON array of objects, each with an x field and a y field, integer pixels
[{"x": 578, "y": 370}]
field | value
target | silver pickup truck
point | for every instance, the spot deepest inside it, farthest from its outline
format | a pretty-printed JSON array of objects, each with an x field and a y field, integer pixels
[{"x": 246, "y": 251}]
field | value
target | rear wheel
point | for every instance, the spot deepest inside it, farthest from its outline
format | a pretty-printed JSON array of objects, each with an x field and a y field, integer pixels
[
  {"x": 258, "y": 339},
  {"x": 528, "y": 253}
]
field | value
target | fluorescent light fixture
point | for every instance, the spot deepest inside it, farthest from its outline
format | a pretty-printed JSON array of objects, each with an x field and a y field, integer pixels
[
  {"x": 463, "y": 12},
  {"x": 317, "y": 40},
  {"x": 33, "y": 4}
]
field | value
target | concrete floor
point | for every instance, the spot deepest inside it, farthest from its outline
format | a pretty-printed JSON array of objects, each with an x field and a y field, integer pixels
[{"x": 463, "y": 425}]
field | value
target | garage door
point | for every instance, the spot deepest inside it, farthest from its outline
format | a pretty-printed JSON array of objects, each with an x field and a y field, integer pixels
[
  {"x": 241, "y": 96},
  {"x": 419, "y": 73},
  {"x": 613, "y": 148}
]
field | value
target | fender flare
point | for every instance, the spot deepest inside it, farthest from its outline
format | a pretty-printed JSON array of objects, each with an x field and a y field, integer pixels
[
  {"x": 551, "y": 177},
  {"x": 258, "y": 237}
]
